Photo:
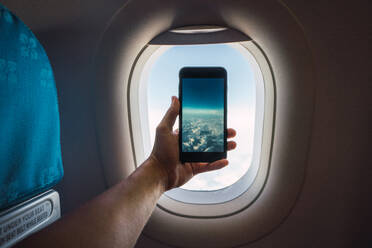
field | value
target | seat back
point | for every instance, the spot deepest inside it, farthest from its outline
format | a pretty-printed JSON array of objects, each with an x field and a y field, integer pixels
[{"x": 30, "y": 152}]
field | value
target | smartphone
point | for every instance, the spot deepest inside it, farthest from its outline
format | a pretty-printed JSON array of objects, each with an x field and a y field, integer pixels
[{"x": 203, "y": 114}]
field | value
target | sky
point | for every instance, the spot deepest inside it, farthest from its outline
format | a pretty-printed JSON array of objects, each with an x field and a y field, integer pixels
[
  {"x": 203, "y": 93},
  {"x": 163, "y": 83}
]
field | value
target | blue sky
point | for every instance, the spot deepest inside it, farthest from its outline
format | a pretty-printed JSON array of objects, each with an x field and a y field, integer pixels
[
  {"x": 164, "y": 74},
  {"x": 203, "y": 93},
  {"x": 163, "y": 83}
]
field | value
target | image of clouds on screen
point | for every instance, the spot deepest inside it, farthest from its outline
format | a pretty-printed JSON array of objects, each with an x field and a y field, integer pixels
[{"x": 202, "y": 114}]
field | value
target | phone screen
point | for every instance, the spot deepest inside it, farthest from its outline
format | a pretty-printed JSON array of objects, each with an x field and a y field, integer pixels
[{"x": 203, "y": 114}]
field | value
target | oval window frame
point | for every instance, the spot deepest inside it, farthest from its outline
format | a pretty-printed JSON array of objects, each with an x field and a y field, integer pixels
[{"x": 229, "y": 200}]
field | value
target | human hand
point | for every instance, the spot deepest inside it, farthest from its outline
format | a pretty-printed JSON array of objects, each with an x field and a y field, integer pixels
[{"x": 165, "y": 154}]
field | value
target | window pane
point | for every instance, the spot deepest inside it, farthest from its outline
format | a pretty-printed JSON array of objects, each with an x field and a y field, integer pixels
[{"x": 163, "y": 83}]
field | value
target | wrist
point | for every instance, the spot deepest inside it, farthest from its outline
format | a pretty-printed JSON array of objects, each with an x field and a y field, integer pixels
[{"x": 160, "y": 173}]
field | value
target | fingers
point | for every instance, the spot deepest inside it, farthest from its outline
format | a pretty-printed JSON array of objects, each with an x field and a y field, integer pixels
[
  {"x": 231, "y": 133},
  {"x": 231, "y": 145},
  {"x": 171, "y": 115},
  {"x": 204, "y": 167}
]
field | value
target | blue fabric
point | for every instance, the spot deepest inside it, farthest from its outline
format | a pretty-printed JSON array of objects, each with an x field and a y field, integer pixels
[{"x": 30, "y": 152}]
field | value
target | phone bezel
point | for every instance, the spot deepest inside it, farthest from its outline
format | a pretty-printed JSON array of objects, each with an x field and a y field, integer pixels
[{"x": 202, "y": 72}]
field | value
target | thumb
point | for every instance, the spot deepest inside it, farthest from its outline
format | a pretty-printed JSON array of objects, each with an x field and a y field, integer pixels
[{"x": 170, "y": 117}]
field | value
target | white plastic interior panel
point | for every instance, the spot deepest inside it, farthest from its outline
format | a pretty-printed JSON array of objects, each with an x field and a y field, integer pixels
[
  {"x": 28, "y": 217},
  {"x": 285, "y": 139}
]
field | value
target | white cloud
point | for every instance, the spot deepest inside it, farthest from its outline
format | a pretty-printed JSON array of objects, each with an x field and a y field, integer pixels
[{"x": 198, "y": 184}]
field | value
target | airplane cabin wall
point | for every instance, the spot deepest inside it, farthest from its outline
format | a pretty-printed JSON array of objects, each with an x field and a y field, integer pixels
[{"x": 335, "y": 201}]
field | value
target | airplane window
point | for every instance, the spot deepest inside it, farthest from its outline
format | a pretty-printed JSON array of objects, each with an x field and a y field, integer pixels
[{"x": 162, "y": 83}]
